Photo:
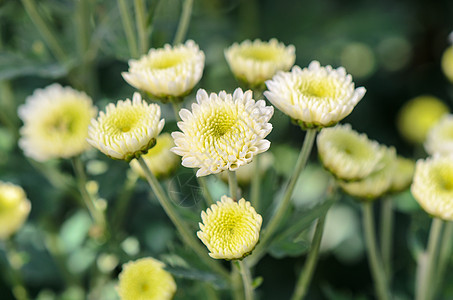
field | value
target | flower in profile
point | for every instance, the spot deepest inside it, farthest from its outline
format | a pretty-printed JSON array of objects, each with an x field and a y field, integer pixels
[
  {"x": 315, "y": 96},
  {"x": 145, "y": 278},
  {"x": 14, "y": 209},
  {"x": 418, "y": 115},
  {"x": 402, "y": 175},
  {"x": 347, "y": 154},
  {"x": 223, "y": 132},
  {"x": 447, "y": 63},
  {"x": 169, "y": 72},
  {"x": 432, "y": 186},
  {"x": 160, "y": 160},
  {"x": 230, "y": 230},
  {"x": 377, "y": 183},
  {"x": 439, "y": 140},
  {"x": 56, "y": 123},
  {"x": 126, "y": 130},
  {"x": 257, "y": 61}
]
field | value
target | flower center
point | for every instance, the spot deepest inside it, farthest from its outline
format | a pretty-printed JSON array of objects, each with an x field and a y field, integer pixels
[
  {"x": 318, "y": 88},
  {"x": 354, "y": 148},
  {"x": 219, "y": 123},
  {"x": 261, "y": 54},
  {"x": 445, "y": 178},
  {"x": 123, "y": 121},
  {"x": 166, "y": 61},
  {"x": 145, "y": 287}
]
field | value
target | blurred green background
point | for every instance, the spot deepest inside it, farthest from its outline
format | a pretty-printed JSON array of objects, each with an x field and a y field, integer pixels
[{"x": 393, "y": 48}]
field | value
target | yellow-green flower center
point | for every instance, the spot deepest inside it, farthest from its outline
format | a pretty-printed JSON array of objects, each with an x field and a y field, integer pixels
[
  {"x": 354, "y": 147},
  {"x": 443, "y": 175},
  {"x": 230, "y": 228},
  {"x": 219, "y": 123},
  {"x": 166, "y": 61},
  {"x": 318, "y": 88},
  {"x": 123, "y": 121},
  {"x": 260, "y": 54}
]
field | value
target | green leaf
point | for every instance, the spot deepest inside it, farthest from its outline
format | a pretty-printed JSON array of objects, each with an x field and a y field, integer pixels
[
  {"x": 75, "y": 230},
  {"x": 15, "y": 65}
]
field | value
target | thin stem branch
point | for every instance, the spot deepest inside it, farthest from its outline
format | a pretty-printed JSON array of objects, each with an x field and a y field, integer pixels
[
  {"x": 126, "y": 19},
  {"x": 233, "y": 184},
  {"x": 256, "y": 184},
  {"x": 142, "y": 28},
  {"x": 276, "y": 219},
  {"x": 307, "y": 272},
  {"x": 45, "y": 30},
  {"x": 444, "y": 254},
  {"x": 386, "y": 238},
  {"x": 181, "y": 226},
  {"x": 246, "y": 279},
  {"x": 375, "y": 261},
  {"x": 97, "y": 214},
  {"x": 427, "y": 277},
  {"x": 15, "y": 262},
  {"x": 184, "y": 21}
]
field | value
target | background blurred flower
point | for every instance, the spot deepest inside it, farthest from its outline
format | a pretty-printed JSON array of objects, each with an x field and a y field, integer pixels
[
  {"x": 440, "y": 137},
  {"x": 160, "y": 160},
  {"x": 14, "y": 208},
  {"x": 347, "y": 154},
  {"x": 145, "y": 278},
  {"x": 167, "y": 72},
  {"x": 315, "y": 96},
  {"x": 447, "y": 63},
  {"x": 230, "y": 229},
  {"x": 377, "y": 183},
  {"x": 126, "y": 130},
  {"x": 56, "y": 123},
  {"x": 418, "y": 115},
  {"x": 433, "y": 186},
  {"x": 257, "y": 61},
  {"x": 223, "y": 132}
]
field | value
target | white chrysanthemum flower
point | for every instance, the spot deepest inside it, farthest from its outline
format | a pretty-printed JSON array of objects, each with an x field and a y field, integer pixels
[
  {"x": 439, "y": 140},
  {"x": 432, "y": 186},
  {"x": 56, "y": 123},
  {"x": 14, "y": 209},
  {"x": 126, "y": 130},
  {"x": 159, "y": 159},
  {"x": 223, "y": 132},
  {"x": 167, "y": 72},
  {"x": 315, "y": 96},
  {"x": 230, "y": 230},
  {"x": 347, "y": 154},
  {"x": 145, "y": 279},
  {"x": 257, "y": 61},
  {"x": 377, "y": 183}
]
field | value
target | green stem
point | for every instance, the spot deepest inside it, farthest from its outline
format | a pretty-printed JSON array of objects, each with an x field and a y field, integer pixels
[
  {"x": 205, "y": 190},
  {"x": 276, "y": 219},
  {"x": 15, "y": 263},
  {"x": 96, "y": 213},
  {"x": 237, "y": 286},
  {"x": 142, "y": 28},
  {"x": 233, "y": 184},
  {"x": 183, "y": 229},
  {"x": 184, "y": 20},
  {"x": 126, "y": 19},
  {"x": 375, "y": 261},
  {"x": 123, "y": 200},
  {"x": 386, "y": 234},
  {"x": 176, "y": 105},
  {"x": 45, "y": 30},
  {"x": 307, "y": 272},
  {"x": 256, "y": 184},
  {"x": 427, "y": 276},
  {"x": 246, "y": 279},
  {"x": 444, "y": 254}
]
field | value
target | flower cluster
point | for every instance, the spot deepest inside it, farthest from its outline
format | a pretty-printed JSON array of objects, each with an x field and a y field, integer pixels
[
  {"x": 230, "y": 229},
  {"x": 56, "y": 121},
  {"x": 222, "y": 132},
  {"x": 315, "y": 96},
  {"x": 147, "y": 279},
  {"x": 126, "y": 130},
  {"x": 167, "y": 72},
  {"x": 14, "y": 209}
]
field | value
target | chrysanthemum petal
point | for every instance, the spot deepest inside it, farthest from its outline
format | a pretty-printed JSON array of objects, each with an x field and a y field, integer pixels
[{"x": 14, "y": 208}]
